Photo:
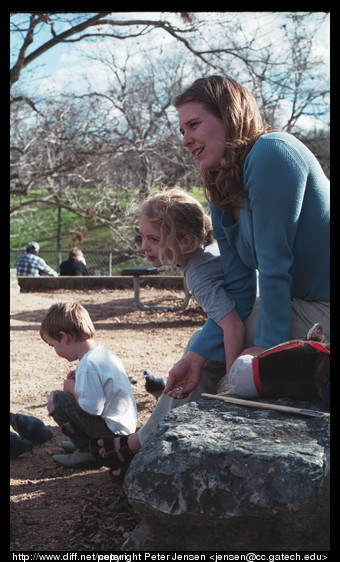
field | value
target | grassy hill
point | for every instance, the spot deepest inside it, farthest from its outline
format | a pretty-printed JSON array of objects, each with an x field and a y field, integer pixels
[{"x": 41, "y": 223}]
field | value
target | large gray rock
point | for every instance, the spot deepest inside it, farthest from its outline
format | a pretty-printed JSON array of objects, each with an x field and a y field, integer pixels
[{"x": 216, "y": 476}]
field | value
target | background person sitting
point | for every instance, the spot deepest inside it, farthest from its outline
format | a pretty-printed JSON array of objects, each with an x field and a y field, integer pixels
[
  {"x": 75, "y": 265},
  {"x": 31, "y": 264}
]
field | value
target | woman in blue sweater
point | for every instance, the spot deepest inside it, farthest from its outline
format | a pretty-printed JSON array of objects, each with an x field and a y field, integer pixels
[{"x": 269, "y": 202}]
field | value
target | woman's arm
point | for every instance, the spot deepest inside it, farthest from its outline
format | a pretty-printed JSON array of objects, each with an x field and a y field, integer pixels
[
  {"x": 275, "y": 178},
  {"x": 233, "y": 336},
  {"x": 186, "y": 373}
]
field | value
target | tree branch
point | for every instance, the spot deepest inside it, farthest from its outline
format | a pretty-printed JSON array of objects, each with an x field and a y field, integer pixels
[{"x": 23, "y": 61}]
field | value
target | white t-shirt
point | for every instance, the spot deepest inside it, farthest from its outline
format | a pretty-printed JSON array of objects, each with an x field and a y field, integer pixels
[{"x": 104, "y": 390}]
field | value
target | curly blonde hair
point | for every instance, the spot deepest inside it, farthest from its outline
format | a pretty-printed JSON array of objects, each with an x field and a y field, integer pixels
[
  {"x": 177, "y": 213},
  {"x": 225, "y": 98}
]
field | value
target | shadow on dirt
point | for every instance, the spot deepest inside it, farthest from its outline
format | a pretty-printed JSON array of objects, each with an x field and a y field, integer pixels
[
  {"x": 118, "y": 311},
  {"x": 98, "y": 518}
]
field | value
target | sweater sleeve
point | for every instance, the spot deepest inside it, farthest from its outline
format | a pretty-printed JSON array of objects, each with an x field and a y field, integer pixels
[
  {"x": 240, "y": 280},
  {"x": 204, "y": 278},
  {"x": 209, "y": 342},
  {"x": 240, "y": 284},
  {"x": 275, "y": 176}
]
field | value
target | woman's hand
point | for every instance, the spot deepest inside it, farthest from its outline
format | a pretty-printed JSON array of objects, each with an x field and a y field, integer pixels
[{"x": 185, "y": 375}]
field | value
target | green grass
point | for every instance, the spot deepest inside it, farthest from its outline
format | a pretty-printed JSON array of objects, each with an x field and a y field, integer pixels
[{"x": 40, "y": 224}]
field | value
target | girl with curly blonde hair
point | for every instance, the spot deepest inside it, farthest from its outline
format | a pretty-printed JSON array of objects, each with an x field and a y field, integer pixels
[{"x": 177, "y": 232}]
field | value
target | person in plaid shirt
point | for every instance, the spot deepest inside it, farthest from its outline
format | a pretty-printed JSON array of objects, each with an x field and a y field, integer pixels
[{"x": 30, "y": 263}]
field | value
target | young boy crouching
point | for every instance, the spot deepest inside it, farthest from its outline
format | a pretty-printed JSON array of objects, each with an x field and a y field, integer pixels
[{"x": 97, "y": 398}]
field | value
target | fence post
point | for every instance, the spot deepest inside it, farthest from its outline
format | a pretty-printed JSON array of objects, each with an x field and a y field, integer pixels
[
  {"x": 59, "y": 260},
  {"x": 110, "y": 264}
]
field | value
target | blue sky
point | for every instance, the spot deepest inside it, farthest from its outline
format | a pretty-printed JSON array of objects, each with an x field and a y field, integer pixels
[
  {"x": 61, "y": 56},
  {"x": 64, "y": 68}
]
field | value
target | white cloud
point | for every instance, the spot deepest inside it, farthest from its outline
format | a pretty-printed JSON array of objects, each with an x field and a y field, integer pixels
[{"x": 73, "y": 67}]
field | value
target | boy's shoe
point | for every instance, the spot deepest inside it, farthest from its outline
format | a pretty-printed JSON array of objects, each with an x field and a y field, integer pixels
[
  {"x": 75, "y": 459},
  {"x": 18, "y": 446},
  {"x": 68, "y": 446}
]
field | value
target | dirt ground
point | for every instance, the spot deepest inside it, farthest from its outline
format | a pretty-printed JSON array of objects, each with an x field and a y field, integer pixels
[{"x": 53, "y": 508}]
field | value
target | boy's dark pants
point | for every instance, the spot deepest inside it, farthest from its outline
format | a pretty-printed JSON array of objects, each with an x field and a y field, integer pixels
[{"x": 79, "y": 426}]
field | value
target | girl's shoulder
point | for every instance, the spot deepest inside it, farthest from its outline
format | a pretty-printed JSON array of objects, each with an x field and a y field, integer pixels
[
  {"x": 206, "y": 251},
  {"x": 212, "y": 249},
  {"x": 204, "y": 255}
]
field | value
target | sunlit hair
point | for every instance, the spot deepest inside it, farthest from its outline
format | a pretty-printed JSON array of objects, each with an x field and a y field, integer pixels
[
  {"x": 69, "y": 317},
  {"x": 177, "y": 213},
  {"x": 227, "y": 100},
  {"x": 76, "y": 254}
]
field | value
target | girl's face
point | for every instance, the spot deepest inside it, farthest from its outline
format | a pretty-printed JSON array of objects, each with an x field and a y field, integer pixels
[
  {"x": 203, "y": 134},
  {"x": 151, "y": 237}
]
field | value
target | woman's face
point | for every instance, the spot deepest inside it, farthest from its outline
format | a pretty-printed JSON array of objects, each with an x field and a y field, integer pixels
[{"x": 203, "y": 134}]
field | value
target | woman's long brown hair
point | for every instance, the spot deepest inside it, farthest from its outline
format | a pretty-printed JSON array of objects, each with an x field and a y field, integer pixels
[{"x": 225, "y": 98}]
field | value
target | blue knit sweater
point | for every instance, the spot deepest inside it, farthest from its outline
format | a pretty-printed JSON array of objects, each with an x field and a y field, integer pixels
[{"x": 283, "y": 232}]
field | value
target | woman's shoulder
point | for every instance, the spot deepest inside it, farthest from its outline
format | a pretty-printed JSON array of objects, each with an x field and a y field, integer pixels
[
  {"x": 279, "y": 142},
  {"x": 279, "y": 149}
]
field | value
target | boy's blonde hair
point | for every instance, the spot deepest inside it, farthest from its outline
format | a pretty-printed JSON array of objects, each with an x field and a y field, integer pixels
[
  {"x": 69, "y": 317},
  {"x": 177, "y": 213}
]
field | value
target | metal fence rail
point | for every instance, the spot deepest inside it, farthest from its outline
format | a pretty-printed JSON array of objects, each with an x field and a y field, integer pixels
[{"x": 98, "y": 262}]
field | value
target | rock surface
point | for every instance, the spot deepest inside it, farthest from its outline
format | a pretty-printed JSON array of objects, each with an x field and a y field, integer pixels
[{"x": 216, "y": 477}]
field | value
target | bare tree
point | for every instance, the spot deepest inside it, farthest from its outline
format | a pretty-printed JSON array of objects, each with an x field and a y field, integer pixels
[
  {"x": 276, "y": 73},
  {"x": 123, "y": 141},
  {"x": 104, "y": 25},
  {"x": 289, "y": 81},
  {"x": 119, "y": 144}
]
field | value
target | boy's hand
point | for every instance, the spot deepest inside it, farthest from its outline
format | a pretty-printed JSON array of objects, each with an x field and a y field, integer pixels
[
  {"x": 69, "y": 385},
  {"x": 71, "y": 374}
]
